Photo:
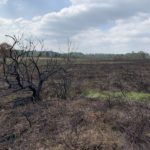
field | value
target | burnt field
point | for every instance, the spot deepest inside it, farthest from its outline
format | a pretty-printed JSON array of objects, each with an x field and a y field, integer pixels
[
  {"x": 113, "y": 76},
  {"x": 107, "y": 108}
]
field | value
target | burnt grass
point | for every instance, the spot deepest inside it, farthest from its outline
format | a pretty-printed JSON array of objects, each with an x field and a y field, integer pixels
[{"x": 81, "y": 123}]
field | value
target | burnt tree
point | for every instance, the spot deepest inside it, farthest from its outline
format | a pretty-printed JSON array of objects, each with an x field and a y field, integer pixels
[{"x": 23, "y": 69}]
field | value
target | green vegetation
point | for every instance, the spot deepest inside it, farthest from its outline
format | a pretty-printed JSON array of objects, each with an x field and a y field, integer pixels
[{"x": 105, "y": 94}]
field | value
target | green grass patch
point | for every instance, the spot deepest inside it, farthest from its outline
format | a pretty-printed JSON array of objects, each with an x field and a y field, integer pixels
[{"x": 138, "y": 96}]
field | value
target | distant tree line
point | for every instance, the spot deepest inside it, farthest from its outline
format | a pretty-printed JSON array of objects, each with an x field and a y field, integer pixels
[
  {"x": 129, "y": 56},
  {"x": 45, "y": 53}
]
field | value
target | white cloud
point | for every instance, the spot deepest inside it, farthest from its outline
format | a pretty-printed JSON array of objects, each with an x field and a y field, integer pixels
[
  {"x": 3, "y": 1},
  {"x": 124, "y": 36},
  {"x": 100, "y": 25}
]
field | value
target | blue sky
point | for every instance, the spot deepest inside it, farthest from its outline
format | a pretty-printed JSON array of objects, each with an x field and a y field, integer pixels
[
  {"x": 30, "y": 8},
  {"x": 93, "y": 26}
]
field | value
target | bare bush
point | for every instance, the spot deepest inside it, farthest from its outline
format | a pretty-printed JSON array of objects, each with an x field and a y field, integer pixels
[
  {"x": 61, "y": 84},
  {"x": 135, "y": 126},
  {"x": 135, "y": 132},
  {"x": 23, "y": 69}
]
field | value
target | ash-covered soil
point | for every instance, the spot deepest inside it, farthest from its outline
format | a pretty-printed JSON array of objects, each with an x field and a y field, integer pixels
[{"x": 78, "y": 124}]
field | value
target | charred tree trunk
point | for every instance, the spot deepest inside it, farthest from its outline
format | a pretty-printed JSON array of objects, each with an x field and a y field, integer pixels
[
  {"x": 36, "y": 95},
  {"x": 23, "y": 70}
]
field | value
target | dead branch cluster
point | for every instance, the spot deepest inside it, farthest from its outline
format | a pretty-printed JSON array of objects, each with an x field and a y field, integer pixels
[{"x": 23, "y": 69}]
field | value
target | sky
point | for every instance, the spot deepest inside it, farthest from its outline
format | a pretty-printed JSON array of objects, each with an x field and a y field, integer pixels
[{"x": 92, "y": 26}]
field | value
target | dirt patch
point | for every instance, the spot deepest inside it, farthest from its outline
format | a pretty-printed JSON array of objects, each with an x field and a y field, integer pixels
[{"x": 81, "y": 124}]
